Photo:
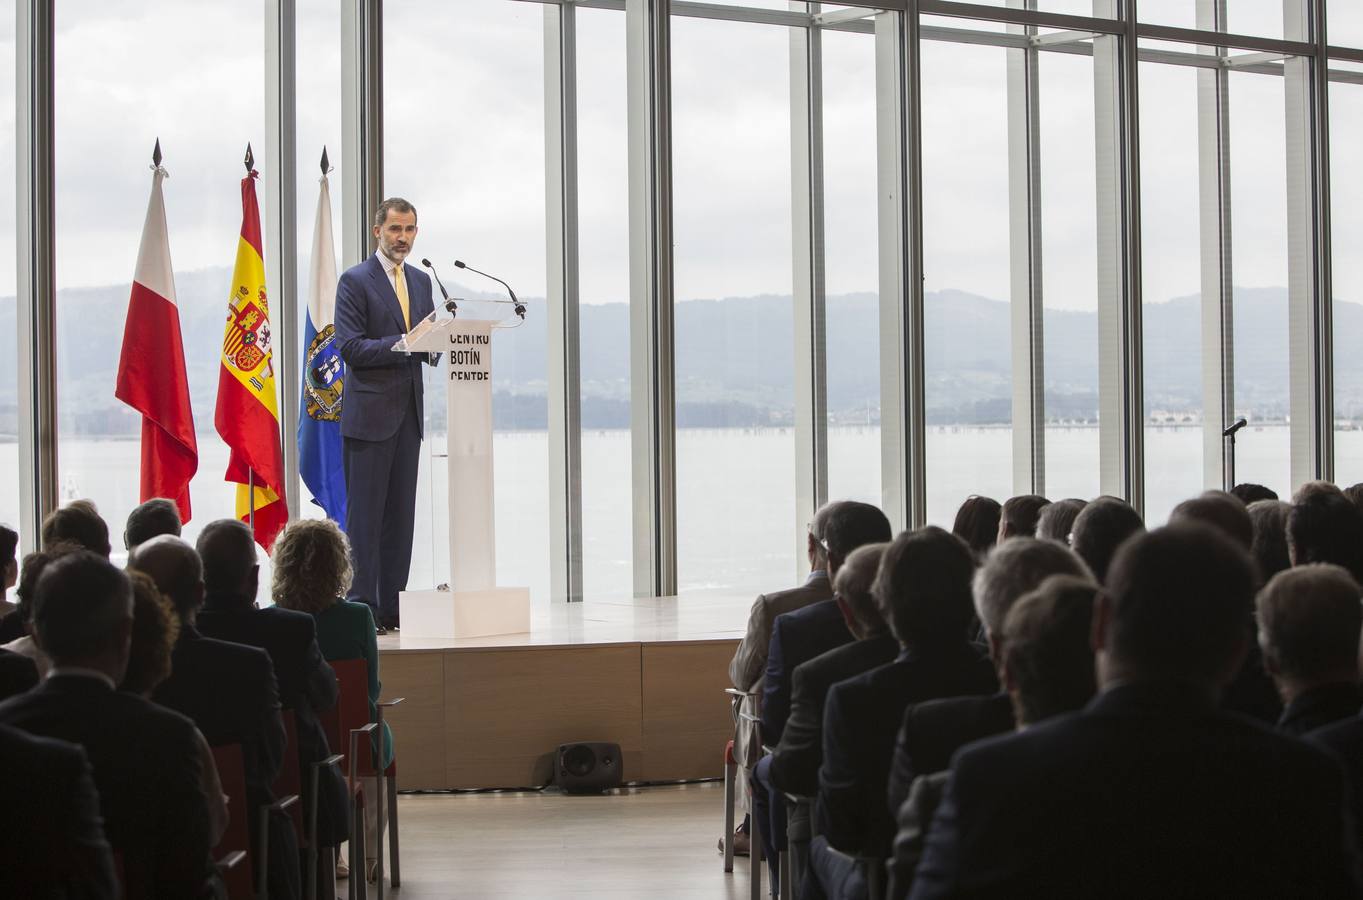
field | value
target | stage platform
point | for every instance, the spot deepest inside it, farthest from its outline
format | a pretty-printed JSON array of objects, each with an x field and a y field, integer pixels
[{"x": 488, "y": 712}]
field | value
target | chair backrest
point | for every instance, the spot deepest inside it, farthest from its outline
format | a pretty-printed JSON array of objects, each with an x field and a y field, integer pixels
[
  {"x": 237, "y": 836},
  {"x": 352, "y": 709},
  {"x": 290, "y": 780}
]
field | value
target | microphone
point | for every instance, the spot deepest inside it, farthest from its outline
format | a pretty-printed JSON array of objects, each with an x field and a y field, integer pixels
[
  {"x": 450, "y": 305},
  {"x": 519, "y": 306},
  {"x": 1230, "y": 432}
]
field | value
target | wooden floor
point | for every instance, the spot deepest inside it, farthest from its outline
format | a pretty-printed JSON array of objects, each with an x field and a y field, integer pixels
[{"x": 656, "y": 841}]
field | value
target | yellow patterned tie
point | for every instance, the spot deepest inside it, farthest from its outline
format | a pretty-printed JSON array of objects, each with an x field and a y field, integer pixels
[{"x": 400, "y": 285}]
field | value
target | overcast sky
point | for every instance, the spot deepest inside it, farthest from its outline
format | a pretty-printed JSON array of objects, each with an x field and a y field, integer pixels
[{"x": 465, "y": 141}]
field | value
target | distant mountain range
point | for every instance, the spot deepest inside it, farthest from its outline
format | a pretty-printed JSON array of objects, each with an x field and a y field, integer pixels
[{"x": 734, "y": 364}]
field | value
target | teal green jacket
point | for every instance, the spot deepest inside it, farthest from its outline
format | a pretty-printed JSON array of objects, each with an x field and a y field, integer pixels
[{"x": 346, "y": 631}]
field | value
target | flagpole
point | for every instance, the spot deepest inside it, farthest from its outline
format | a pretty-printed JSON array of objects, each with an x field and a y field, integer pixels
[{"x": 251, "y": 488}]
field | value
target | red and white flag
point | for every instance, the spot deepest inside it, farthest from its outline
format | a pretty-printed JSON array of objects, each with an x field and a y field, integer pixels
[{"x": 151, "y": 369}]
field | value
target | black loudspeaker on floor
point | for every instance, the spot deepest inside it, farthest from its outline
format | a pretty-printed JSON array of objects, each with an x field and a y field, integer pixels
[{"x": 588, "y": 768}]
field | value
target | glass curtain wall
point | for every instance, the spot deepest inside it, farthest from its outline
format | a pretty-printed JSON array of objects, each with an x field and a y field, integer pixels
[
  {"x": 1346, "y": 230},
  {"x": 9, "y": 369}
]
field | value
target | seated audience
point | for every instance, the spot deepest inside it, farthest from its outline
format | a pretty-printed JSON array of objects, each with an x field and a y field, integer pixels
[
  {"x": 228, "y": 689},
  {"x": 1020, "y": 516},
  {"x": 54, "y": 836},
  {"x": 923, "y": 590},
  {"x": 1355, "y": 494},
  {"x": 793, "y": 767},
  {"x": 1103, "y": 526},
  {"x": 145, "y": 758},
  {"x": 155, "y": 629},
  {"x": 1269, "y": 548},
  {"x": 1057, "y": 520},
  {"x": 1249, "y": 492},
  {"x": 311, "y": 559},
  {"x": 1324, "y": 526},
  {"x": 931, "y": 732},
  {"x": 1152, "y": 790},
  {"x": 77, "y": 523},
  {"x": 155, "y": 517},
  {"x": 307, "y": 685},
  {"x": 977, "y": 523},
  {"x": 1047, "y": 668},
  {"x": 34, "y": 564},
  {"x": 9, "y": 569},
  {"x": 1309, "y": 624},
  {"x": 750, "y": 659},
  {"x": 17, "y": 674},
  {"x": 1221, "y": 511}
]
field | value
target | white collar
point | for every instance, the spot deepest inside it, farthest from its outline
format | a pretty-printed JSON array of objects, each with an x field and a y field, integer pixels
[{"x": 81, "y": 672}]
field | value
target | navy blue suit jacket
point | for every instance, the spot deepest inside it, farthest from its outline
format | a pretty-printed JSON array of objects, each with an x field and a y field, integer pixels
[
  {"x": 380, "y": 384},
  {"x": 1150, "y": 791},
  {"x": 796, "y": 637}
]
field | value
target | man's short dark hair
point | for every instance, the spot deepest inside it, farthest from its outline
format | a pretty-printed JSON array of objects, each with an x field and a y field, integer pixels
[
  {"x": 923, "y": 587},
  {"x": 228, "y": 552},
  {"x": 1269, "y": 547},
  {"x": 1219, "y": 510},
  {"x": 32, "y": 570},
  {"x": 81, "y": 600},
  {"x": 77, "y": 523},
  {"x": 156, "y": 516},
  {"x": 1020, "y": 514},
  {"x": 1100, "y": 529},
  {"x": 1325, "y": 526},
  {"x": 1309, "y": 621},
  {"x": 1355, "y": 494},
  {"x": 394, "y": 204},
  {"x": 1048, "y": 653},
  {"x": 1180, "y": 600},
  {"x": 1056, "y": 520},
  {"x": 851, "y": 524},
  {"x": 977, "y": 523},
  {"x": 1249, "y": 492},
  {"x": 9, "y": 546}
]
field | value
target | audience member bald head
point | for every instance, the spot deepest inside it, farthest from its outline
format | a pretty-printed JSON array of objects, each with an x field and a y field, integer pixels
[
  {"x": 175, "y": 567},
  {"x": 77, "y": 523},
  {"x": 923, "y": 587},
  {"x": 850, "y": 524},
  {"x": 1020, "y": 515},
  {"x": 852, "y": 590},
  {"x": 977, "y": 523},
  {"x": 1048, "y": 664},
  {"x": 1057, "y": 520},
  {"x": 1012, "y": 569},
  {"x": 83, "y": 613},
  {"x": 1324, "y": 526},
  {"x": 1219, "y": 510},
  {"x": 1176, "y": 607},
  {"x": 230, "y": 570},
  {"x": 1309, "y": 623},
  {"x": 1100, "y": 529},
  {"x": 147, "y": 520}
]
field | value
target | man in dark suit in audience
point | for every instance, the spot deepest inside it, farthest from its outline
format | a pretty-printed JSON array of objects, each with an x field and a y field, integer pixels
[
  {"x": 923, "y": 589},
  {"x": 1152, "y": 790},
  {"x": 145, "y": 758},
  {"x": 1047, "y": 668},
  {"x": 77, "y": 523},
  {"x": 307, "y": 685},
  {"x": 1325, "y": 526},
  {"x": 54, "y": 837},
  {"x": 793, "y": 767},
  {"x": 228, "y": 689},
  {"x": 1309, "y": 623},
  {"x": 934, "y": 730},
  {"x": 150, "y": 519},
  {"x": 17, "y": 674}
]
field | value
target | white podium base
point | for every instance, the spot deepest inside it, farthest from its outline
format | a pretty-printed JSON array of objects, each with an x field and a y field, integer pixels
[{"x": 464, "y": 614}]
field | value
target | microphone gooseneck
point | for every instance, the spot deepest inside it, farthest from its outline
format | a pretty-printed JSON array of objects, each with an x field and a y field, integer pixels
[
  {"x": 450, "y": 305},
  {"x": 519, "y": 307}
]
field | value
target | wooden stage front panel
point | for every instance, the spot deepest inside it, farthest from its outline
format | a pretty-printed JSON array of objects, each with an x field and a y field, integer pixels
[{"x": 491, "y": 717}]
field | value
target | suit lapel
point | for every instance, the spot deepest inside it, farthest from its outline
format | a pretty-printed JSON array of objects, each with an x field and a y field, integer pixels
[{"x": 389, "y": 297}]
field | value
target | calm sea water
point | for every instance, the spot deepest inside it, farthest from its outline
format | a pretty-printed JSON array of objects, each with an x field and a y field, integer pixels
[{"x": 736, "y": 522}]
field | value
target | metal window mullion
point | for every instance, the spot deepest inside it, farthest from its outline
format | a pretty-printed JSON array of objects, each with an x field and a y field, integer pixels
[
  {"x": 807, "y": 218},
  {"x": 36, "y": 270},
  {"x": 899, "y": 165},
  {"x": 361, "y": 124},
  {"x": 1217, "y": 292},
  {"x": 1121, "y": 417},
  {"x": 281, "y": 221},
  {"x": 1308, "y": 290},
  {"x": 1025, "y": 262},
  {"x": 561, "y": 218},
  {"x": 652, "y": 380}
]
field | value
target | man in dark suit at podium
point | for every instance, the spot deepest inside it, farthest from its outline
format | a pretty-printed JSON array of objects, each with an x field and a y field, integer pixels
[{"x": 377, "y": 302}]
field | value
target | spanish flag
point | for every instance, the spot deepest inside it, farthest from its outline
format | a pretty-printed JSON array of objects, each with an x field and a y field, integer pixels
[{"x": 247, "y": 415}]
